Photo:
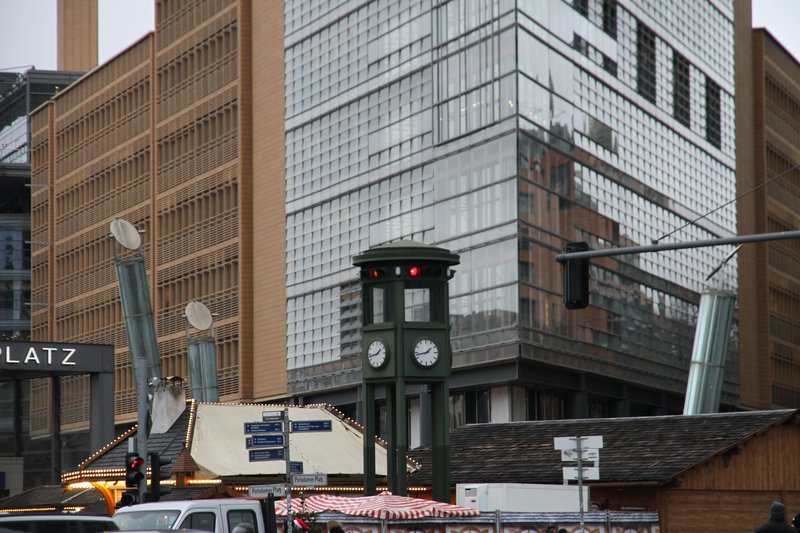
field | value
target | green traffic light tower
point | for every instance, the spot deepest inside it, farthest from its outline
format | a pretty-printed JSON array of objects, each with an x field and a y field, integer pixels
[{"x": 405, "y": 338}]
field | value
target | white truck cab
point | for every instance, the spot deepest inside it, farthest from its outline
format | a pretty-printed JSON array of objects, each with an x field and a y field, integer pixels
[{"x": 218, "y": 515}]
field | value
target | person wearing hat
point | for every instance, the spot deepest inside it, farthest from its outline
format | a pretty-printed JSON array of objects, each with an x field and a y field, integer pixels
[{"x": 777, "y": 521}]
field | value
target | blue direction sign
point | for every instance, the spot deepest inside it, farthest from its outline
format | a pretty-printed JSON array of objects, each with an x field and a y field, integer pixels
[
  {"x": 263, "y": 441},
  {"x": 263, "y": 427},
  {"x": 295, "y": 467},
  {"x": 270, "y": 454},
  {"x": 312, "y": 425}
]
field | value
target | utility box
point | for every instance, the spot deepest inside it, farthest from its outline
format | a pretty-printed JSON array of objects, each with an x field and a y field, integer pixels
[{"x": 521, "y": 497}]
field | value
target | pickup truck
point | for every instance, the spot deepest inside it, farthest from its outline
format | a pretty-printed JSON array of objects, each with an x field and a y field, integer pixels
[{"x": 218, "y": 515}]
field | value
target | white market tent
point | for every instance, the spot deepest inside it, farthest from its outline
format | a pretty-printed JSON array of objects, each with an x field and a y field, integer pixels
[{"x": 218, "y": 442}]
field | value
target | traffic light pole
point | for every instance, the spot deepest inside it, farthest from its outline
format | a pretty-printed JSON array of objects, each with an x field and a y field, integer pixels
[
  {"x": 607, "y": 252},
  {"x": 141, "y": 432}
]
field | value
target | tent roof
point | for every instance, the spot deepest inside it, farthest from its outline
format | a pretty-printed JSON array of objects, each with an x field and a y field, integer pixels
[
  {"x": 218, "y": 442},
  {"x": 215, "y": 439}
]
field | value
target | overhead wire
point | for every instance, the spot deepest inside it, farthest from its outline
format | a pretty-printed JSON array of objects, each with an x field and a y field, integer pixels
[{"x": 736, "y": 199}]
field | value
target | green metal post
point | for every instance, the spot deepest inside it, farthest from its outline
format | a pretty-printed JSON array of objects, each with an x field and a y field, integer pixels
[
  {"x": 370, "y": 483},
  {"x": 401, "y": 437},
  {"x": 440, "y": 421}
]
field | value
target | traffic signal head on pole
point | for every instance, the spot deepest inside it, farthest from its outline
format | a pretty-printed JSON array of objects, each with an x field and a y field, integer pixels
[
  {"x": 134, "y": 470},
  {"x": 158, "y": 474},
  {"x": 129, "y": 497},
  {"x": 576, "y": 277}
]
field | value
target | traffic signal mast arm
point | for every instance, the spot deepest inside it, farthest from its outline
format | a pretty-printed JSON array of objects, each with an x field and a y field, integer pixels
[
  {"x": 575, "y": 258},
  {"x": 743, "y": 239}
]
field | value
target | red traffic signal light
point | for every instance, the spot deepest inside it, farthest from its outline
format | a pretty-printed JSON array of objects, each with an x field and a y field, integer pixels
[
  {"x": 414, "y": 271},
  {"x": 134, "y": 469},
  {"x": 373, "y": 273}
]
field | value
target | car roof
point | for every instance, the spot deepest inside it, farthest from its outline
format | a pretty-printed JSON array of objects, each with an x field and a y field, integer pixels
[
  {"x": 24, "y": 517},
  {"x": 180, "y": 505}
]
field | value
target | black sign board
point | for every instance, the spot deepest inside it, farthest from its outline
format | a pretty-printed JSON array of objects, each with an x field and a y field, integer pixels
[
  {"x": 312, "y": 425},
  {"x": 263, "y": 441},
  {"x": 55, "y": 358},
  {"x": 269, "y": 454},
  {"x": 263, "y": 427}
]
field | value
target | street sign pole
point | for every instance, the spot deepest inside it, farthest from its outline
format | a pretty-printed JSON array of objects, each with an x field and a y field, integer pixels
[
  {"x": 580, "y": 481},
  {"x": 578, "y": 446},
  {"x": 286, "y": 426}
]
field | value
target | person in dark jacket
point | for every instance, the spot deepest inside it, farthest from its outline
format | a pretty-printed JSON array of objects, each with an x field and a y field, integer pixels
[{"x": 777, "y": 521}]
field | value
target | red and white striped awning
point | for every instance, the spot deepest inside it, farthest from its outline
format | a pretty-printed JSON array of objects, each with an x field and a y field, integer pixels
[
  {"x": 312, "y": 504},
  {"x": 384, "y": 506}
]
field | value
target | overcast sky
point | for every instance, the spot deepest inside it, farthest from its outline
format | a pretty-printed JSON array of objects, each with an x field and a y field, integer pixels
[{"x": 28, "y": 28}]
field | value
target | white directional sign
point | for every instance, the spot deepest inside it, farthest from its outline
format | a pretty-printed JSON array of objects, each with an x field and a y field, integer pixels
[
  {"x": 310, "y": 480},
  {"x": 586, "y": 455},
  {"x": 277, "y": 490},
  {"x": 571, "y": 443},
  {"x": 589, "y": 472}
]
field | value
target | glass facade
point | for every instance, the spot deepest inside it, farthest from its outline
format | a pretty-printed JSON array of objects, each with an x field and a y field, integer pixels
[
  {"x": 20, "y": 93},
  {"x": 501, "y": 130}
]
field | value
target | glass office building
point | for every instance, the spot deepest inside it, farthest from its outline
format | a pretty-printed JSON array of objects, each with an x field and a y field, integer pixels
[
  {"x": 20, "y": 93},
  {"x": 502, "y": 130}
]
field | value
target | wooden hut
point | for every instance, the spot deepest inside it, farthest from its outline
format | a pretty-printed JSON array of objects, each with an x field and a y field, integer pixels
[{"x": 701, "y": 473}]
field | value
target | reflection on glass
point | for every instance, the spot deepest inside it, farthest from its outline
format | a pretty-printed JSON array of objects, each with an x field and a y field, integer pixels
[
  {"x": 381, "y": 305},
  {"x": 418, "y": 304}
]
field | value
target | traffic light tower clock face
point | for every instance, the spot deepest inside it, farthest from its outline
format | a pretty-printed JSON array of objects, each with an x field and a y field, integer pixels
[
  {"x": 377, "y": 354},
  {"x": 426, "y": 353}
]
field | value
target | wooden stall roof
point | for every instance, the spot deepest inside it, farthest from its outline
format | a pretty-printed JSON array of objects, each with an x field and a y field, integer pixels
[{"x": 642, "y": 450}]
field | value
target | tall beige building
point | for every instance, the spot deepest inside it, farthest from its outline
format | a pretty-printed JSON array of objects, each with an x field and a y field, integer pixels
[
  {"x": 770, "y": 272},
  {"x": 168, "y": 136}
]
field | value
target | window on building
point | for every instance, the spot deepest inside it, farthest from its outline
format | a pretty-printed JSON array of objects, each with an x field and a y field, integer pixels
[
  {"x": 609, "y": 65},
  {"x": 610, "y": 17},
  {"x": 681, "y": 102},
  {"x": 545, "y": 405},
  {"x": 581, "y": 6},
  {"x": 476, "y": 406},
  {"x": 472, "y": 407},
  {"x": 646, "y": 62},
  {"x": 713, "y": 113},
  {"x": 598, "y": 407}
]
